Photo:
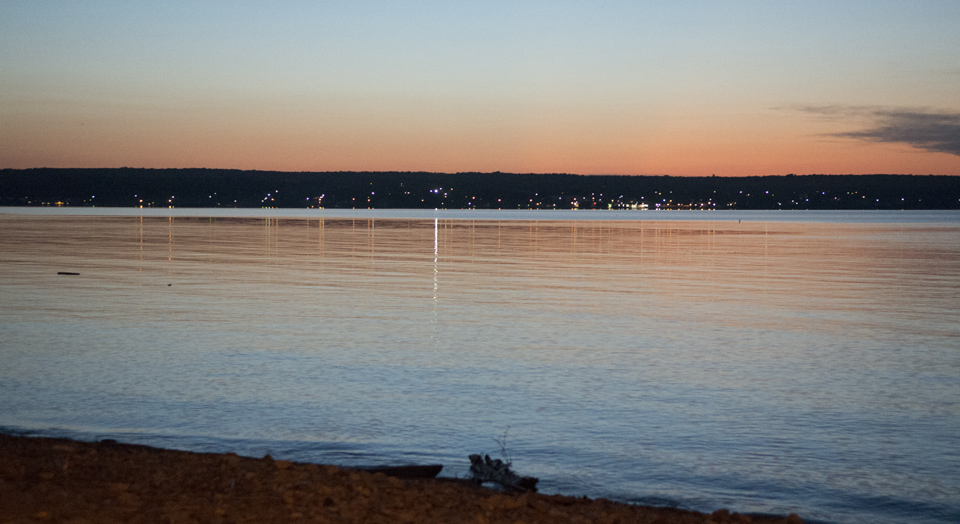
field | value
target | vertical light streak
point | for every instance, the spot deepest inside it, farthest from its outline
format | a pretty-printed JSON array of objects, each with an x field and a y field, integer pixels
[
  {"x": 320, "y": 237},
  {"x": 436, "y": 274},
  {"x": 140, "y": 267}
]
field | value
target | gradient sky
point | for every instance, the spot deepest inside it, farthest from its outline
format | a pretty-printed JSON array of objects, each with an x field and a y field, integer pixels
[{"x": 591, "y": 87}]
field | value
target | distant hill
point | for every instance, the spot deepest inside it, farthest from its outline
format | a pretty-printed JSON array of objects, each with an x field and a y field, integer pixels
[{"x": 128, "y": 187}]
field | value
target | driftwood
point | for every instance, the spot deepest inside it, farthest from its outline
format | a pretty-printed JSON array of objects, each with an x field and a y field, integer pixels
[
  {"x": 428, "y": 471},
  {"x": 485, "y": 469}
]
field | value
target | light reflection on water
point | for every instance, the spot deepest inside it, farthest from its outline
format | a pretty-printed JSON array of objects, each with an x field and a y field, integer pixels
[{"x": 805, "y": 367}]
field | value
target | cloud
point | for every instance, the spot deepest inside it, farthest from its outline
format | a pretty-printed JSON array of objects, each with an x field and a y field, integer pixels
[
  {"x": 934, "y": 131},
  {"x": 833, "y": 111}
]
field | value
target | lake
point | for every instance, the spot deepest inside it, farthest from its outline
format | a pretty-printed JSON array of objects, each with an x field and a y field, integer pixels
[{"x": 769, "y": 362}]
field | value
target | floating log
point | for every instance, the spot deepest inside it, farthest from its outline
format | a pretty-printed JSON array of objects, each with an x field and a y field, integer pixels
[
  {"x": 67, "y": 273},
  {"x": 486, "y": 470}
]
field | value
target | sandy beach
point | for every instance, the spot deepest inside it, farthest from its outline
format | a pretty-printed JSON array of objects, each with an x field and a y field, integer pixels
[{"x": 57, "y": 480}]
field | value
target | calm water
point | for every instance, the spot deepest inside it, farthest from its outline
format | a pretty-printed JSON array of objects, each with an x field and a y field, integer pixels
[{"x": 763, "y": 362}]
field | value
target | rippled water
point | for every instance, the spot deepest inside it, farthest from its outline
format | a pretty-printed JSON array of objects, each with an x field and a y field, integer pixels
[{"x": 762, "y": 362}]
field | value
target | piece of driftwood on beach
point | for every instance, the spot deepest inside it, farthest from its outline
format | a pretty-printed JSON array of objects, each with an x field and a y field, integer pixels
[
  {"x": 485, "y": 469},
  {"x": 427, "y": 471}
]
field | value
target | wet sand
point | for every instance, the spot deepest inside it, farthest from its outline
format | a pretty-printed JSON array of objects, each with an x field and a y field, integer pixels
[{"x": 57, "y": 480}]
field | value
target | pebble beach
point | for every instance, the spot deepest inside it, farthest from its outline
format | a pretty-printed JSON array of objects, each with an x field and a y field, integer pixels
[{"x": 59, "y": 480}]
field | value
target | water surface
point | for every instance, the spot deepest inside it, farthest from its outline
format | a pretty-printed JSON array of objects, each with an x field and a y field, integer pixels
[{"x": 755, "y": 361}]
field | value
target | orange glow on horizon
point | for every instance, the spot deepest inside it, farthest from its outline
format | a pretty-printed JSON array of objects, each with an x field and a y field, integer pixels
[{"x": 411, "y": 135}]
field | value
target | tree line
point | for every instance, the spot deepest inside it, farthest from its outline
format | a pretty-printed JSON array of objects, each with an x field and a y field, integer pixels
[{"x": 132, "y": 187}]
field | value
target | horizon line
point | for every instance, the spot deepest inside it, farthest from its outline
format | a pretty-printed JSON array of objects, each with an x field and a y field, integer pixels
[{"x": 470, "y": 172}]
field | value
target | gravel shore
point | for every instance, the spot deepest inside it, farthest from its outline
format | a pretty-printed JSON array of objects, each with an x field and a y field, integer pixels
[{"x": 57, "y": 480}]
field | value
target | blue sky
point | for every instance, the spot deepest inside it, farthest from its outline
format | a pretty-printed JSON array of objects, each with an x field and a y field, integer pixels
[{"x": 685, "y": 88}]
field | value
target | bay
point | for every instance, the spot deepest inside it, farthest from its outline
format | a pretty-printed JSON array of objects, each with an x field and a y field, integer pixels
[{"x": 761, "y": 361}]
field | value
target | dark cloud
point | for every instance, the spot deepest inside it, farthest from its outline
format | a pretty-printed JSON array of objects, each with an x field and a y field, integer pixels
[{"x": 938, "y": 132}]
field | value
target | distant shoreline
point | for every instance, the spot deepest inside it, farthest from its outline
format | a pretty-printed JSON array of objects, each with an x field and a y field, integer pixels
[
  {"x": 60, "y": 480},
  {"x": 220, "y": 188}
]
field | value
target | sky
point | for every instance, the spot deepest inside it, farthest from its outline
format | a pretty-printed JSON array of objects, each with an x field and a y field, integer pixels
[{"x": 682, "y": 88}]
